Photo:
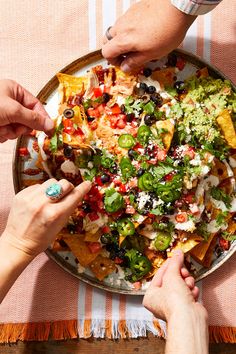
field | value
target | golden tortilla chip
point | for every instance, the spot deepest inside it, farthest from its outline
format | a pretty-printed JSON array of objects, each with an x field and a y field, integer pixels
[
  {"x": 71, "y": 86},
  {"x": 209, "y": 255},
  {"x": 102, "y": 267},
  {"x": 165, "y": 77},
  {"x": 187, "y": 245},
  {"x": 167, "y": 136},
  {"x": 203, "y": 72},
  {"x": 91, "y": 237},
  {"x": 219, "y": 170},
  {"x": 79, "y": 248},
  {"x": 199, "y": 252},
  {"x": 225, "y": 122}
]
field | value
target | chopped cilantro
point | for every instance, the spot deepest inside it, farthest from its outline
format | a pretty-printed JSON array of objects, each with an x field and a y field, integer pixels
[
  {"x": 221, "y": 218},
  {"x": 219, "y": 194}
]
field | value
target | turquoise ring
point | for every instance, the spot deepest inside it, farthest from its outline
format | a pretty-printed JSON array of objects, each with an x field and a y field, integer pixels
[{"x": 54, "y": 192}]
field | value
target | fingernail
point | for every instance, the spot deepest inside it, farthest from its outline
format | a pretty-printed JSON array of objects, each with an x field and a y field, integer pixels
[
  {"x": 125, "y": 68},
  {"x": 48, "y": 124},
  {"x": 177, "y": 252}
]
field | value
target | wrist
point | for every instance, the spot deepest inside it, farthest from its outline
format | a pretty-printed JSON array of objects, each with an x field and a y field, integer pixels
[
  {"x": 13, "y": 252},
  {"x": 190, "y": 312}
]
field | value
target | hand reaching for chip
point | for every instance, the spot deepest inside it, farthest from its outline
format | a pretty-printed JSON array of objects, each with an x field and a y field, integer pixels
[
  {"x": 38, "y": 213},
  {"x": 172, "y": 296},
  {"x": 20, "y": 112},
  {"x": 149, "y": 30}
]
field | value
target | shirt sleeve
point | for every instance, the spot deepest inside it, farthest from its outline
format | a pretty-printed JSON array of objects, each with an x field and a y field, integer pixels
[{"x": 195, "y": 7}]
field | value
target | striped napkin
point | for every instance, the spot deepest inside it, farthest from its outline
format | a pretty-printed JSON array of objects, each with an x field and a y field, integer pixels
[{"x": 45, "y": 300}]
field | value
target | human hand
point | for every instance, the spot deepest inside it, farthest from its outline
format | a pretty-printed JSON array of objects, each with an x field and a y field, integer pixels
[
  {"x": 149, "y": 30},
  {"x": 172, "y": 289},
  {"x": 35, "y": 220},
  {"x": 20, "y": 112}
]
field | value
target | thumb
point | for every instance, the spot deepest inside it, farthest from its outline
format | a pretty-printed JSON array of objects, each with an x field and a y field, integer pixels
[
  {"x": 134, "y": 61},
  {"x": 30, "y": 118},
  {"x": 175, "y": 263}
]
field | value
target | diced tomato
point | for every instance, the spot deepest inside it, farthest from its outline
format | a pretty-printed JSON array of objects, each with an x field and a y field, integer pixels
[
  {"x": 68, "y": 126},
  {"x": 169, "y": 177},
  {"x": 94, "y": 247},
  {"x": 118, "y": 260},
  {"x": 117, "y": 181},
  {"x": 121, "y": 124},
  {"x": 189, "y": 151},
  {"x": 180, "y": 63},
  {"x": 113, "y": 121},
  {"x": 189, "y": 198},
  {"x": 181, "y": 217},
  {"x": 97, "y": 92},
  {"x": 23, "y": 151},
  {"x": 137, "y": 285},
  {"x": 122, "y": 188},
  {"x": 224, "y": 244},
  {"x": 82, "y": 213},
  {"x": 151, "y": 216},
  {"x": 161, "y": 155},
  {"x": 130, "y": 210},
  {"x": 114, "y": 109},
  {"x": 93, "y": 125},
  {"x": 133, "y": 182},
  {"x": 137, "y": 146},
  {"x": 79, "y": 132},
  {"x": 106, "y": 229},
  {"x": 93, "y": 216},
  {"x": 98, "y": 181},
  {"x": 93, "y": 112}
]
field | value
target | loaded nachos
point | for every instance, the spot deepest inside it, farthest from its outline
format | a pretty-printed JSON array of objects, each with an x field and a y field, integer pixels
[{"x": 161, "y": 154}]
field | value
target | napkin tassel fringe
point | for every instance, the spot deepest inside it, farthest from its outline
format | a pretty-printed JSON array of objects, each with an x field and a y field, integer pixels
[
  {"x": 60, "y": 330},
  {"x": 222, "y": 334}
]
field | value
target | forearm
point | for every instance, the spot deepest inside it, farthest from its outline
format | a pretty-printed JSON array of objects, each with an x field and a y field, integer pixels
[
  {"x": 188, "y": 332},
  {"x": 12, "y": 262}
]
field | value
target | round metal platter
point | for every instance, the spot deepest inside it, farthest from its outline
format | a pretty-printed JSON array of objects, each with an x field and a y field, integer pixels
[{"x": 48, "y": 96}]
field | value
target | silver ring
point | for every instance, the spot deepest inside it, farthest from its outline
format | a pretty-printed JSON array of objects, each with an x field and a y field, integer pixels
[
  {"x": 54, "y": 191},
  {"x": 107, "y": 34}
]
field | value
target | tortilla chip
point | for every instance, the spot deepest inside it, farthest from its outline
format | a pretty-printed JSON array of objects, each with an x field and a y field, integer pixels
[
  {"x": 219, "y": 170},
  {"x": 203, "y": 72},
  {"x": 79, "y": 248},
  {"x": 199, "y": 252},
  {"x": 102, "y": 267},
  {"x": 231, "y": 229},
  {"x": 165, "y": 76},
  {"x": 167, "y": 136},
  {"x": 125, "y": 83},
  {"x": 121, "y": 239},
  {"x": 31, "y": 182},
  {"x": 209, "y": 255},
  {"x": 58, "y": 247},
  {"x": 187, "y": 245},
  {"x": 71, "y": 86},
  {"x": 225, "y": 122},
  {"x": 90, "y": 237}
]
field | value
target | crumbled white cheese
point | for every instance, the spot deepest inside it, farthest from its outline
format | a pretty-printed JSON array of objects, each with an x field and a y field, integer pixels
[
  {"x": 93, "y": 226},
  {"x": 143, "y": 197},
  {"x": 196, "y": 161},
  {"x": 69, "y": 167},
  {"x": 80, "y": 268},
  {"x": 90, "y": 164},
  {"x": 232, "y": 162},
  {"x": 233, "y": 206}
]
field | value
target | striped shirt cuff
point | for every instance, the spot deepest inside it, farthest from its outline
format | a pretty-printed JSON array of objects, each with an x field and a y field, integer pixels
[{"x": 195, "y": 7}]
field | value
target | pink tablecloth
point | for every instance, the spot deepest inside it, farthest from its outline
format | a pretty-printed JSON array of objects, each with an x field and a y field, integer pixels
[{"x": 36, "y": 40}]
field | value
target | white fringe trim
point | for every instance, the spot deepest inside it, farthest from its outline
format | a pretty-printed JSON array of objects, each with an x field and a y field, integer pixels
[{"x": 136, "y": 329}]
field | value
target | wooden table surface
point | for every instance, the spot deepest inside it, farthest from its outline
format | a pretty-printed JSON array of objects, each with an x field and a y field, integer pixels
[{"x": 149, "y": 345}]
